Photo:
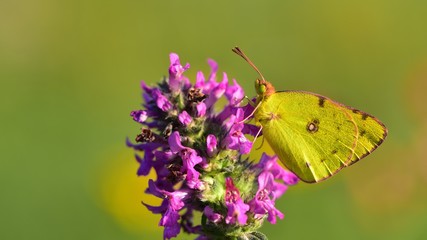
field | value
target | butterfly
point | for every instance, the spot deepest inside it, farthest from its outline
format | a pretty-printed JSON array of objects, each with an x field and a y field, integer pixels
[{"x": 312, "y": 135}]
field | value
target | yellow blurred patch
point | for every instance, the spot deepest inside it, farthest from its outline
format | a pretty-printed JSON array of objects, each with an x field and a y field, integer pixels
[{"x": 122, "y": 192}]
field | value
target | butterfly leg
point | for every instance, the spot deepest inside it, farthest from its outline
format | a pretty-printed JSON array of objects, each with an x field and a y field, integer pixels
[
  {"x": 262, "y": 143},
  {"x": 252, "y": 113},
  {"x": 252, "y": 103}
]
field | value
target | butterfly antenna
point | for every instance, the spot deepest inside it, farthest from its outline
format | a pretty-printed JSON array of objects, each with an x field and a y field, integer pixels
[{"x": 239, "y": 52}]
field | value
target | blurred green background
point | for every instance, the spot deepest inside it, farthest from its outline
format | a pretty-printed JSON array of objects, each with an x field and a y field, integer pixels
[{"x": 70, "y": 72}]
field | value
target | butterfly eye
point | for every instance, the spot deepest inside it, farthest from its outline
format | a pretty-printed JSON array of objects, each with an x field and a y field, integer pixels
[{"x": 260, "y": 87}]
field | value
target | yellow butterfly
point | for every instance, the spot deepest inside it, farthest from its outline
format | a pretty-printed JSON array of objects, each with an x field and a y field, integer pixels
[{"x": 313, "y": 136}]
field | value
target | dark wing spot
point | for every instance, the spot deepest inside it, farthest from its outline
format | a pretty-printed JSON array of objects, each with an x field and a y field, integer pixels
[
  {"x": 362, "y": 133},
  {"x": 321, "y": 101},
  {"x": 364, "y": 116},
  {"x": 312, "y": 127},
  {"x": 334, "y": 151},
  {"x": 322, "y": 160},
  {"x": 355, "y": 111},
  {"x": 338, "y": 128}
]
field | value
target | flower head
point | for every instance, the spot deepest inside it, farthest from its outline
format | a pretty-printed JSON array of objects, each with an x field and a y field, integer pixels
[{"x": 196, "y": 154}]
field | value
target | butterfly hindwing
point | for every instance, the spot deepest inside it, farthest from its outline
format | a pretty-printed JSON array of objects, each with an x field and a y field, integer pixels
[{"x": 312, "y": 135}]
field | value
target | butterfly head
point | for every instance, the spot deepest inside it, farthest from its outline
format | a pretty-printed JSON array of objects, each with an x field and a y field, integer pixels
[{"x": 264, "y": 88}]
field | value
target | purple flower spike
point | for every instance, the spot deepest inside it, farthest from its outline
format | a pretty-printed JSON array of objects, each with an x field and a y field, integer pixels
[
  {"x": 236, "y": 207},
  {"x": 175, "y": 72},
  {"x": 139, "y": 116},
  {"x": 185, "y": 118}
]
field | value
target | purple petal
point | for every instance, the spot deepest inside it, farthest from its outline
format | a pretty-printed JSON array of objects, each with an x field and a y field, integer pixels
[
  {"x": 243, "y": 208},
  {"x": 217, "y": 92},
  {"x": 226, "y": 113},
  {"x": 214, "y": 69},
  {"x": 236, "y": 140},
  {"x": 156, "y": 210},
  {"x": 139, "y": 116},
  {"x": 190, "y": 158},
  {"x": 192, "y": 179},
  {"x": 200, "y": 80},
  {"x": 171, "y": 231},
  {"x": 153, "y": 189},
  {"x": 143, "y": 146},
  {"x": 174, "y": 141},
  {"x": 263, "y": 202},
  {"x": 145, "y": 163},
  {"x": 161, "y": 101},
  {"x": 270, "y": 164},
  {"x": 236, "y": 208},
  {"x": 211, "y": 215},
  {"x": 201, "y": 109},
  {"x": 234, "y": 93},
  {"x": 174, "y": 59},
  {"x": 272, "y": 215},
  {"x": 176, "y": 199},
  {"x": 170, "y": 221},
  {"x": 251, "y": 130},
  {"x": 248, "y": 109},
  {"x": 211, "y": 143},
  {"x": 278, "y": 190},
  {"x": 185, "y": 118},
  {"x": 146, "y": 88}
]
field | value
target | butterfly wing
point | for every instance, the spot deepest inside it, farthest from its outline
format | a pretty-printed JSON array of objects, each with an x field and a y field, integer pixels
[
  {"x": 312, "y": 135},
  {"x": 371, "y": 133}
]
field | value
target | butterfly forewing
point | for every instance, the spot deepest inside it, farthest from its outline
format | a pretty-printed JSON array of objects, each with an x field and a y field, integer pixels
[
  {"x": 371, "y": 133},
  {"x": 312, "y": 135}
]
